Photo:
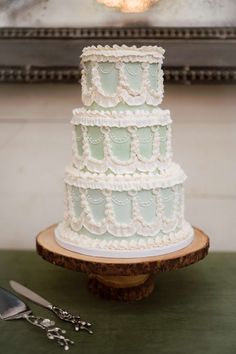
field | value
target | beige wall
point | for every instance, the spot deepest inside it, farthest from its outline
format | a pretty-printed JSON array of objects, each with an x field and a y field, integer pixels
[{"x": 35, "y": 146}]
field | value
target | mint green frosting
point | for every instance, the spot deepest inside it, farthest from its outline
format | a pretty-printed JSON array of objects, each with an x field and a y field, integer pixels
[
  {"x": 122, "y": 207},
  {"x": 153, "y": 75},
  {"x": 79, "y": 141},
  {"x": 147, "y": 209},
  {"x": 76, "y": 202},
  {"x": 122, "y": 204},
  {"x": 163, "y": 135},
  {"x": 146, "y": 142},
  {"x": 88, "y": 68},
  {"x": 133, "y": 72},
  {"x": 121, "y": 142},
  {"x": 109, "y": 77},
  {"x": 96, "y": 142},
  {"x": 122, "y": 107},
  {"x": 98, "y": 206}
]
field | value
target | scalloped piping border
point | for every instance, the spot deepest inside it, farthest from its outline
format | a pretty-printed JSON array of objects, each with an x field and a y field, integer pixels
[
  {"x": 133, "y": 53},
  {"x": 124, "y": 93},
  {"x": 137, "y": 223},
  {"x": 169, "y": 177},
  {"x": 136, "y": 161},
  {"x": 121, "y": 119},
  {"x": 182, "y": 239}
]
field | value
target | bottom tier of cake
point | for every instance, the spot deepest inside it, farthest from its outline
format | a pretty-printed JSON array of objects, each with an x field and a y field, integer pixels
[
  {"x": 135, "y": 246},
  {"x": 127, "y": 216}
]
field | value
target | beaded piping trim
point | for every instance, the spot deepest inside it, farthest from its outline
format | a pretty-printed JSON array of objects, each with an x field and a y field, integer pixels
[
  {"x": 128, "y": 54},
  {"x": 121, "y": 119},
  {"x": 137, "y": 224},
  {"x": 124, "y": 93},
  {"x": 167, "y": 176},
  {"x": 133, "y": 142},
  {"x": 128, "y": 244}
]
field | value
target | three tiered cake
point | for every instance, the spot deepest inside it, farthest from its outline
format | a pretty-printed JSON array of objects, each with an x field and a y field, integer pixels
[{"x": 123, "y": 194}]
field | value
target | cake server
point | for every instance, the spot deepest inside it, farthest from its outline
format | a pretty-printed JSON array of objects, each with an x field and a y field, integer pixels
[
  {"x": 12, "y": 308},
  {"x": 63, "y": 314}
]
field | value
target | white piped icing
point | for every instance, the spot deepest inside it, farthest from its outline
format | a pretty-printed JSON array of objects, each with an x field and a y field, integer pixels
[
  {"x": 167, "y": 177},
  {"x": 136, "y": 224},
  {"x": 123, "y": 94},
  {"x": 124, "y": 248},
  {"x": 127, "y": 54},
  {"x": 121, "y": 119}
]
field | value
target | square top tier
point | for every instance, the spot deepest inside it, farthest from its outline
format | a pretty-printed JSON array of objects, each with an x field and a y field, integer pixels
[{"x": 122, "y": 77}]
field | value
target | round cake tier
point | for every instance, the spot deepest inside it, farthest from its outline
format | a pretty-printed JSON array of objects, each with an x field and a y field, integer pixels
[
  {"x": 115, "y": 212},
  {"x": 123, "y": 209},
  {"x": 121, "y": 142},
  {"x": 121, "y": 74}
]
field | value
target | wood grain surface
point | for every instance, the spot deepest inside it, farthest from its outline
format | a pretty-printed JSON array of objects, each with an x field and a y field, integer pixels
[{"x": 48, "y": 249}]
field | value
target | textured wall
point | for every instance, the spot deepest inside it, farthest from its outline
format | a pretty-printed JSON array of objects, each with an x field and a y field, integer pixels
[
  {"x": 82, "y": 13},
  {"x": 35, "y": 146}
]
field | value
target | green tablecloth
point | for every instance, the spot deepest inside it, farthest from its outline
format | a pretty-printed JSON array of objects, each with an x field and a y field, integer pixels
[{"x": 192, "y": 310}]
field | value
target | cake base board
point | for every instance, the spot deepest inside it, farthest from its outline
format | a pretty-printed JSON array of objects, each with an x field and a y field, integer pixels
[{"x": 121, "y": 278}]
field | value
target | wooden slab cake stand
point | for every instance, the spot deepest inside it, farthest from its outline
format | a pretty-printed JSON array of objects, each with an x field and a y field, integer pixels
[{"x": 117, "y": 278}]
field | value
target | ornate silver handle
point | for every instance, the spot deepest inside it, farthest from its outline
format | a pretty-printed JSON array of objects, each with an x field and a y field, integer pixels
[
  {"x": 51, "y": 331},
  {"x": 78, "y": 324}
]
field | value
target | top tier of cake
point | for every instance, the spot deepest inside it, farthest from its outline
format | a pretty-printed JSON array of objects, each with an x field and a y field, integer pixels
[{"x": 122, "y": 77}]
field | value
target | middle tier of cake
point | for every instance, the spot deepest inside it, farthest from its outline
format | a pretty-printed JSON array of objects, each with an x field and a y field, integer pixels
[{"x": 121, "y": 142}]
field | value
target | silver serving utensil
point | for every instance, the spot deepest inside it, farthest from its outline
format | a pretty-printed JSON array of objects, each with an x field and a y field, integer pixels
[
  {"x": 12, "y": 308},
  {"x": 64, "y": 315}
]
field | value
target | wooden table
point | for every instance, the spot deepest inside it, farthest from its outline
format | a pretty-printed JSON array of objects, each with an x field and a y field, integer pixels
[{"x": 192, "y": 310}]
